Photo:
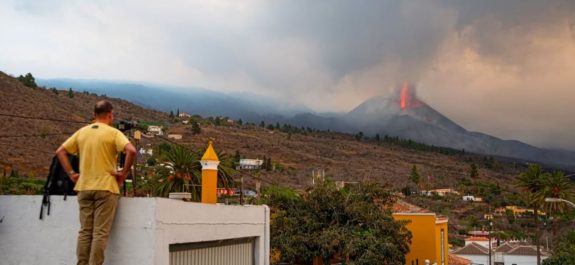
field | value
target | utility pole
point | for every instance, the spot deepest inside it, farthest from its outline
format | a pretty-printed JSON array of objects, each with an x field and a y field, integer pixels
[
  {"x": 241, "y": 188},
  {"x": 137, "y": 137},
  {"x": 489, "y": 236}
]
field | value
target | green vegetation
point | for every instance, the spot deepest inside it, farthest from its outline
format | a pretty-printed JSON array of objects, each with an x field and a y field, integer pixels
[
  {"x": 178, "y": 169},
  {"x": 28, "y": 80},
  {"x": 564, "y": 252},
  {"x": 351, "y": 224},
  {"x": 539, "y": 185},
  {"x": 406, "y": 143},
  {"x": 70, "y": 93},
  {"x": 414, "y": 175},
  {"x": 15, "y": 184},
  {"x": 196, "y": 129}
]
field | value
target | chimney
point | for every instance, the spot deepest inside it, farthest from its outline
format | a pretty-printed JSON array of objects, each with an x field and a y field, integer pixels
[{"x": 210, "y": 164}]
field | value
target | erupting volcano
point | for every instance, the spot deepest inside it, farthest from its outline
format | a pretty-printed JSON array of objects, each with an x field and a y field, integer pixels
[{"x": 407, "y": 97}]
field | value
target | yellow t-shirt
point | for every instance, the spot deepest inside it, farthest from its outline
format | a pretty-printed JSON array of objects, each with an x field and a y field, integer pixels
[{"x": 98, "y": 145}]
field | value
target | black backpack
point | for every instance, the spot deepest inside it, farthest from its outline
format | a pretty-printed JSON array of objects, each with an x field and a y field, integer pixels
[{"x": 58, "y": 182}]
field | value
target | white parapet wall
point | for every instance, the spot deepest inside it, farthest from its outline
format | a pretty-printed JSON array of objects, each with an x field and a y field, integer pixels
[{"x": 143, "y": 230}]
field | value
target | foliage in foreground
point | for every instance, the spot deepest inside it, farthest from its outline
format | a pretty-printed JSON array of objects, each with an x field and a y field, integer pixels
[
  {"x": 564, "y": 252},
  {"x": 351, "y": 224}
]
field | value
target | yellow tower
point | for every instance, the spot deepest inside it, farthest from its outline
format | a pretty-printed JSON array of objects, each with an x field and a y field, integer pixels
[{"x": 210, "y": 164}]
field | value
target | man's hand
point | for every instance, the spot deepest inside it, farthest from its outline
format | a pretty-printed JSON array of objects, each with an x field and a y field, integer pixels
[
  {"x": 120, "y": 176},
  {"x": 74, "y": 177}
]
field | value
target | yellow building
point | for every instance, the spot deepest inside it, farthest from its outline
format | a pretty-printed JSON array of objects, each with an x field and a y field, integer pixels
[{"x": 429, "y": 235}]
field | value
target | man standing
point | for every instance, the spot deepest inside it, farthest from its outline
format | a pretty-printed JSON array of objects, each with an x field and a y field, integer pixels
[{"x": 97, "y": 184}]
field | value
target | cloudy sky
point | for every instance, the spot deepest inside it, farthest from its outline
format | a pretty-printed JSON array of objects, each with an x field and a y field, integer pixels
[{"x": 506, "y": 68}]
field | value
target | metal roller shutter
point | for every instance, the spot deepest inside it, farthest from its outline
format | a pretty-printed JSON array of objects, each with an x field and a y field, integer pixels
[{"x": 224, "y": 252}]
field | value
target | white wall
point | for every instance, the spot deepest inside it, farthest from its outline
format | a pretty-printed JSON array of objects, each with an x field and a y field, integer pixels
[
  {"x": 142, "y": 231},
  {"x": 521, "y": 260}
]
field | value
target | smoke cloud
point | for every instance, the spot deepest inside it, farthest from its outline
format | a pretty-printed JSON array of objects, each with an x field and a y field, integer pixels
[{"x": 500, "y": 67}]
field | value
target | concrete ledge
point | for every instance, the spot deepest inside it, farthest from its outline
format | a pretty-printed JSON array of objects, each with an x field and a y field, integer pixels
[{"x": 142, "y": 232}]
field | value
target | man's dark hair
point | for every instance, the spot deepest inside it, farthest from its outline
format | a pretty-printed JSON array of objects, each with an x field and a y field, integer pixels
[{"x": 102, "y": 107}]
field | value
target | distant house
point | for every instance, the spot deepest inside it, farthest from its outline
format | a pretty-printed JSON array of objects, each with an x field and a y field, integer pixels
[
  {"x": 147, "y": 151},
  {"x": 175, "y": 136},
  {"x": 340, "y": 184},
  {"x": 474, "y": 252},
  {"x": 520, "y": 211},
  {"x": 155, "y": 129},
  {"x": 186, "y": 121},
  {"x": 471, "y": 198},
  {"x": 251, "y": 163},
  {"x": 480, "y": 240},
  {"x": 184, "y": 115},
  {"x": 457, "y": 260},
  {"x": 439, "y": 192},
  {"x": 507, "y": 253}
]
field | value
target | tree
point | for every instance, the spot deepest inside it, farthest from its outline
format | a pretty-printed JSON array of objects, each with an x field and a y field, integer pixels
[
  {"x": 327, "y": 222},
  {"x": 70, "y": 93},
  {"x": 184, "y": 170},
  {"x": 277, "y": 126},
  {"x": 532, "y": 182},
  {"x": 564, "y": 252},
  {"x": 178, "y": 112},
  {"x": 28, "y": 80},
  {"x": 377, "y": 138},
  {"x": 171, "y": 114},
  {"x": 557, "y": 185},
  {"x": 414, "y": 175},
  {"x": 262, "y": 124},
  {"x": 359, "y": 136},
  {"x": 473, "y": 172},
  {"x": 240, "y": 122},
  {"x": 196, "y": 129},
  {"x": 217, "y": 121}
]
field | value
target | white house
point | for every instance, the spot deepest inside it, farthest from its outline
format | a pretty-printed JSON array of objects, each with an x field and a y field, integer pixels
[
  {"x": 175, "y": 136},
  {"x": 507, "y": 254},
  {"x": 477, "y": 254},
  {"x": 147, "y": 151},
  {"x": 184, "y": 115},
  {"x": 439, "y": 192},
  {"x": 471, "y": 198},
  {"x": 155, "y": 129},
  {"x": 251, "y": 163}
]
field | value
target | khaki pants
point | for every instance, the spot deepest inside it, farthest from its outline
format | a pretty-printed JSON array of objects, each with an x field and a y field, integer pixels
[{"x": 97, "y": 211}]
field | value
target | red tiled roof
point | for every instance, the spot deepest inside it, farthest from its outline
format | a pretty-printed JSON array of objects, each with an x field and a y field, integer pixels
[{"x": 457, "y": 260}]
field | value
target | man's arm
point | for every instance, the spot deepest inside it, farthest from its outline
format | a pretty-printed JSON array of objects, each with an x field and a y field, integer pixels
[
  {"x": 62, "y": 155},
  {"x": 130, "y": 151}
]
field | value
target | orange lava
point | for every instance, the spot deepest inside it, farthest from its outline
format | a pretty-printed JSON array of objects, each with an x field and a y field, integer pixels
[{"x": 404, "y": 96}]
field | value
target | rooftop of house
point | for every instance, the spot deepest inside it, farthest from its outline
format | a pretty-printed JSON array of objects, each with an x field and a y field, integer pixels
[
  {"x": 472, "y": 249},
  {"x": 457, "y": 260}
]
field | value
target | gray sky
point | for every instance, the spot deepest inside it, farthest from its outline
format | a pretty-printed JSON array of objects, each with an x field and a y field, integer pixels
[{"x": 506, "y": 68}]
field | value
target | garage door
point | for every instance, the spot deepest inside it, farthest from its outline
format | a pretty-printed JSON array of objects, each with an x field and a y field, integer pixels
[{"x": 223, "y": 252}]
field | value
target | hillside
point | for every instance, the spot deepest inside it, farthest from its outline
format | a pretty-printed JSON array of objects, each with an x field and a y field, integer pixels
[
  {"x": 32, "y": 154},
  {"x": 296, "y": 156}
]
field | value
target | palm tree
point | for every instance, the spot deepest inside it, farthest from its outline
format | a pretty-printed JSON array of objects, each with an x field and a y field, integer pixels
[
  {"x": 226, "y": 170},
  {"x": 184, "y": 171},
  {"x": 533, "y": 183},
  {"x": 557, "y": 185}
]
